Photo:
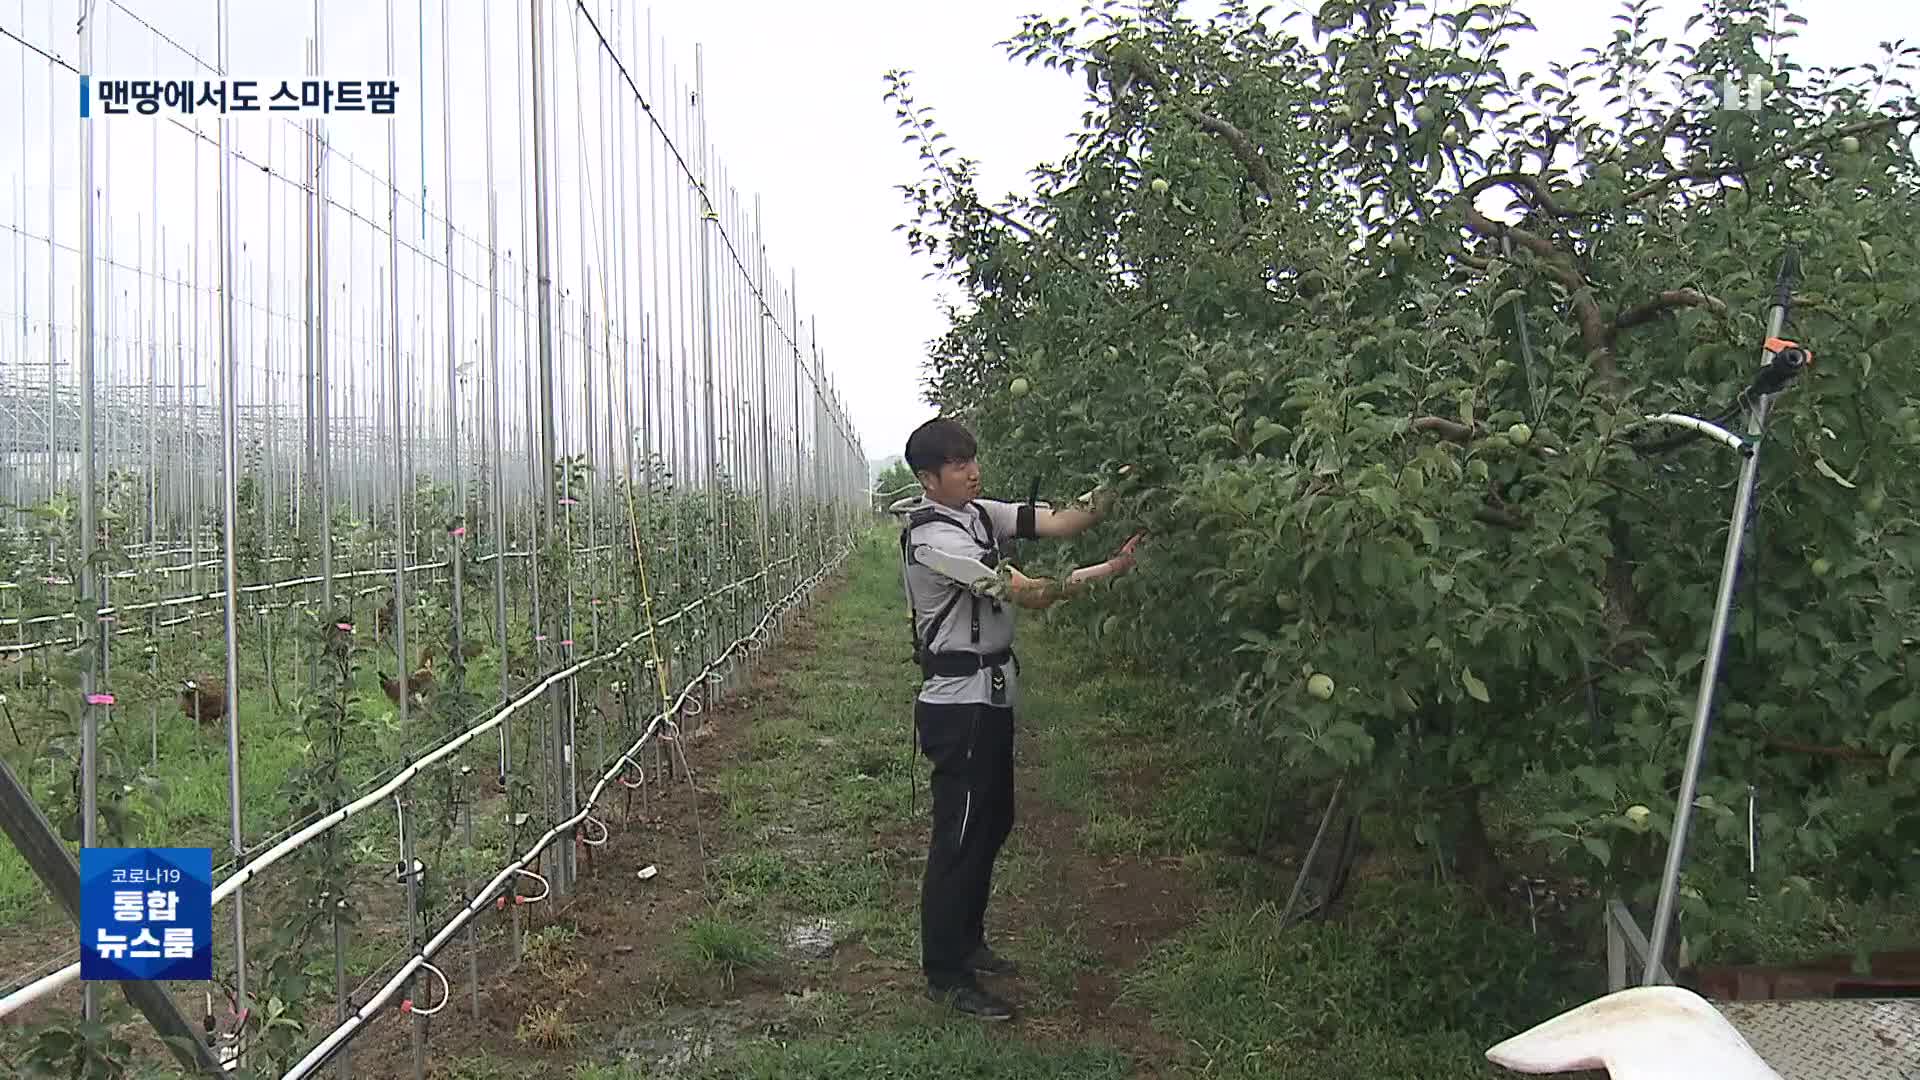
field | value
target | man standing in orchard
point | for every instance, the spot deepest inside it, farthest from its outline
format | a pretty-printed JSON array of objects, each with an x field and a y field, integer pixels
[{"x": 962, "y": 619}]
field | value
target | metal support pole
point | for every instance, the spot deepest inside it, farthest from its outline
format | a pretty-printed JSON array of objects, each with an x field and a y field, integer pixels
[
  {"x": 89, "y": 714},
  {"x": 53, "y": 275},
  {"x": 399, "y": 473},
  {"x": 497, "y": 529},
  {"x": 456, "y": 543},
  {"x": 544, "y": 489},
  {"x": 323, "y": 474},
  {"x": 711, "y": 221},
  {"x": 229, "y": 517}
]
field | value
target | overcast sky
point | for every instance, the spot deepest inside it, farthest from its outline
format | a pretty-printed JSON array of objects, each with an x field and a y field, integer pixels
[{"x": 793, "y": 106}]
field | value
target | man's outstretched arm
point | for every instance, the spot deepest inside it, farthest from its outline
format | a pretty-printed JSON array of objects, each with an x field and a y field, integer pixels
[
  {"x": 1041, "y": 593},
  {"x": 1060, "y": 524}
]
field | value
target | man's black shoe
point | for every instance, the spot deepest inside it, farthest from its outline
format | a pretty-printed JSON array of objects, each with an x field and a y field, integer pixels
[
  {"x": 985, "y": 961},
  {"x": 973, "y": 1001}
]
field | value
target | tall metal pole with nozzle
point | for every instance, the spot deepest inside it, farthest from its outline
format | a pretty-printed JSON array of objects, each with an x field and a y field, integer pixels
[{"x": 1757, "y": 406}]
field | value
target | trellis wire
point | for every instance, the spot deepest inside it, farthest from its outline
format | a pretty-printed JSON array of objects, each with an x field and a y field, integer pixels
[{"x": 664, "y": 433}]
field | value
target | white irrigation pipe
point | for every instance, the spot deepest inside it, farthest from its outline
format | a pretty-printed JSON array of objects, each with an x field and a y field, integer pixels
[
  {"x": 162, "y": 624},
  {"x": 221, "y": 594},
  {"x": 110, "y": 612},
  {"x": 46, "y": 985},
  {"x": 39, "y": 988},
  {"x": 318, "y": 1056},
  {"x": 208, "y": 563}
]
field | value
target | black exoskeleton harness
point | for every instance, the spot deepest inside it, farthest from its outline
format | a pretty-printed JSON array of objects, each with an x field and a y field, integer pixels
[{"x": 960, "y": 663}]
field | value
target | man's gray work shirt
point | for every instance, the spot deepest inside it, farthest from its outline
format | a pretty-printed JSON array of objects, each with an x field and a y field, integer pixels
[{"x": 959, "y": 532}]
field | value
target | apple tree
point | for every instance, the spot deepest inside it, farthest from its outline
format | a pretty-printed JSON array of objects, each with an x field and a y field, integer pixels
[{"x": 1377, "y": 321}]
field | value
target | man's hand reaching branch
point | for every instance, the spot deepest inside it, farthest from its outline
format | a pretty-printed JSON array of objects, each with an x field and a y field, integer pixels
[{"x": 1041, "y": 593}]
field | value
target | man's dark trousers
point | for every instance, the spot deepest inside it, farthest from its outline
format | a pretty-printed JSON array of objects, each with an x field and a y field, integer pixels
[{"x": 971, "y": 748}]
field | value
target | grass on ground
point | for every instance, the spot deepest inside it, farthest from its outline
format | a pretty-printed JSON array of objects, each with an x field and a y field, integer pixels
[{"x": 820, "y": 824}]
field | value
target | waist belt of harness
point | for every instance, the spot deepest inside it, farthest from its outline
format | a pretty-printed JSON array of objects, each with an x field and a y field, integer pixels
[{"x": 962, "y": 664}]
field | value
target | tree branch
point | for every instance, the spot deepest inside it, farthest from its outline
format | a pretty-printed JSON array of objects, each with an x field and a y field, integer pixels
[
  {"x": 1237, "y": 141},
  {"x": 1518, "y": 181},
  {"x": 1556, "y": 263},
  {"x": 1664, "y": 301},
  {"x": 1450, "y": 430},
  {"x": 1844, "y": 753},
  {"x": 1059, "y": 255},
  {"x": 1654, "y": 187},
  {"x": 1489, "y": 515},
  {"x": 1595, "y": 332}
]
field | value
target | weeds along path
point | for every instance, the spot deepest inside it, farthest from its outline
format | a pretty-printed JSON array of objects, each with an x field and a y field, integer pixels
[{"x": 789, "y": 946}]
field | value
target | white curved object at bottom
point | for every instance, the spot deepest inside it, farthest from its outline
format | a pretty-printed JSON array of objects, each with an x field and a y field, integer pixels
[{"x": 1641, "y": 1033}]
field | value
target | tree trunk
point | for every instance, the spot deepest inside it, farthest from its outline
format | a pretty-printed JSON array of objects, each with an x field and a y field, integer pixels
[{"x": 1474, "y": 857}]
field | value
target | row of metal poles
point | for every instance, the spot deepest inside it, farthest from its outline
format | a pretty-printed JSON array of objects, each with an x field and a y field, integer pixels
[{"x": 632, "y": 422}]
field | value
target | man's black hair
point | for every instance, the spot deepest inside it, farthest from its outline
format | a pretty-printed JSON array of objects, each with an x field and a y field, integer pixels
[{"x": 938, "y": 443}]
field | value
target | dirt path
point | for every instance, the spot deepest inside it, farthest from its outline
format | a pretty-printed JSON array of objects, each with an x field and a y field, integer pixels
[{"x": 784, "y": 909}]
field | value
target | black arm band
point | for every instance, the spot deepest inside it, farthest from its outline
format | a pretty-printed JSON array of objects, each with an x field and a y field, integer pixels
[{"x": 1023, "y": 526}]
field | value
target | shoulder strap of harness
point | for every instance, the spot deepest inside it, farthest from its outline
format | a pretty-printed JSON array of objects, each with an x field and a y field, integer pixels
[
  {"x": 986, "y": 522},
  {"x": 925, "y": 516},
  {"x": 918, "y": 518},
  {"x": 992, "y": 558}
]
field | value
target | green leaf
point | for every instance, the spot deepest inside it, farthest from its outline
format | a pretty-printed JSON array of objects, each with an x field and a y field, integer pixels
[
  {"x": 1429, "y": 530},
  {"x": 1598, "y": 782},
  {"x": 1894, "y": 759},
  {"x": 1826, "y": 470},
  {"x": 1902, "y": 716},
  {"x": 1598, "y": 849},
  {"x": 1475, "y": 688}
]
